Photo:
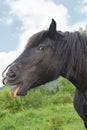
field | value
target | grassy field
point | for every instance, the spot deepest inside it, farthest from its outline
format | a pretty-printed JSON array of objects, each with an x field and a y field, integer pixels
[
  {"x": 62, "y": 117},
  {"x": 41, "y": 109}
]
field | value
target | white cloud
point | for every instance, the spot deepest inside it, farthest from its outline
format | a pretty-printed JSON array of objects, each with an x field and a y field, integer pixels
[
  {"x": 1, "y": 20},
  {"x": 84, "y": 9},
  {"x": 9, "y": 20},
  {"x": 36, "y": 15},
  {"x": 84, "y": 1}
]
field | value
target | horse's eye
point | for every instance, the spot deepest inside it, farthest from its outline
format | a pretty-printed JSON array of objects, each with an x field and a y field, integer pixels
[{"x": 41, "y": 48}]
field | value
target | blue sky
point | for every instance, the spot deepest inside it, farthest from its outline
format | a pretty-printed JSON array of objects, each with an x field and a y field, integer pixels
[
  {"x": 19, "y": 19},
  {"x": 9, "y": 33},
  {"x": 73, "y": 7}
]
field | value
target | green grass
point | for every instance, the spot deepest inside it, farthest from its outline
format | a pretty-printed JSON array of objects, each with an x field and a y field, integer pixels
[
  {"x": 58, "y": 117},
  {"x": 41, "y": 109}
]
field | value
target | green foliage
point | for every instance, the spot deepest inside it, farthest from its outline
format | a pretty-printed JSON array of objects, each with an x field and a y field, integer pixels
[
  {"x": 83, "y": 30},
  {"x": 35, "y": 99},
  {"x": 66, "y": 93},
  {"x": 41, "y": 109},
  {"x": 38, "y": 97},
  {"x": 56, "y": 122},
  {"x": 7, "y": 103},
  {"x": 47, "y": 118},
  {"x": 66, "y": 86},
  {"x": 52, "y": 87}
]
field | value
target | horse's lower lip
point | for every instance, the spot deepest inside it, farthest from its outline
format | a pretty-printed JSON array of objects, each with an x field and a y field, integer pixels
[
  {"x": 21, "y": 93},
  {"x": 23, "y": 90}
]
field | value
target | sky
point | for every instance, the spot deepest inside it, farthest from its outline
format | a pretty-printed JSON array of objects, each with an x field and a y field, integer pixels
[{"x": 19, "y": 19}]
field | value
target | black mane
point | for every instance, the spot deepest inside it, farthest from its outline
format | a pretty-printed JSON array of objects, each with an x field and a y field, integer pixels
[
  {"x": 77, "y": 48},
  {"x": 73, "y": 52}
]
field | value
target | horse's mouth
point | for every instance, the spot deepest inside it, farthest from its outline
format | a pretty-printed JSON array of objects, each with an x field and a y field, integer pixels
[
  {"x": 18, "y": 90},
  {"x": 15, "y": 90}
]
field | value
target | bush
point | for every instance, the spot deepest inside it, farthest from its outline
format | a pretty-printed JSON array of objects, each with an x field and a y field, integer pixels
[
  {"x": 65, "y": 94},
  {"x": 36, "y": 99},
  {"x": 62, "y": 98},
  {"x": 66, "y": 86},
  {"x": 56, "y": 122},
  {"x": 33, "y": 99},
  {"x": 9, "y": 104}
]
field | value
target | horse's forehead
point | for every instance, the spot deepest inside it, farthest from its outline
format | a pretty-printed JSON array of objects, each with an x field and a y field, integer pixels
[{"x": 35, "y": 39}]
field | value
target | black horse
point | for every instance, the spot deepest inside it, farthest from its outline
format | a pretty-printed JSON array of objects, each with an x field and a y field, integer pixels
[{"x": 47, "y": 55}]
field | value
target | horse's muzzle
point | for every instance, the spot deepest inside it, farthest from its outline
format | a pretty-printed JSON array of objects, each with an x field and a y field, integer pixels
[{"x": 10, "y": 74}]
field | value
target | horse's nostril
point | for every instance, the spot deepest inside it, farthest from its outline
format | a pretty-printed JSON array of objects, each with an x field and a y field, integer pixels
[{"x": 11, "y": 74}]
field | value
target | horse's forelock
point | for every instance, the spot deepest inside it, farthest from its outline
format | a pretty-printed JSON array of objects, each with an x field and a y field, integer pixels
[{"x": 34, "y": 39}]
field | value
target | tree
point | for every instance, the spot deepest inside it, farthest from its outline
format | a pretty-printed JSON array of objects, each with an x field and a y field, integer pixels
[{"x": 83, "y": 30}]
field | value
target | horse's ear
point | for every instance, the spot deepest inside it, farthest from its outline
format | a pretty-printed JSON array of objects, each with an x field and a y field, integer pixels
[{"x": 52, "y": 29}]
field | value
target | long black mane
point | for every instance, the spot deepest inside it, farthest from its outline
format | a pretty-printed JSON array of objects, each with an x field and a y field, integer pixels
[{"x": 74, "y": 49}]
